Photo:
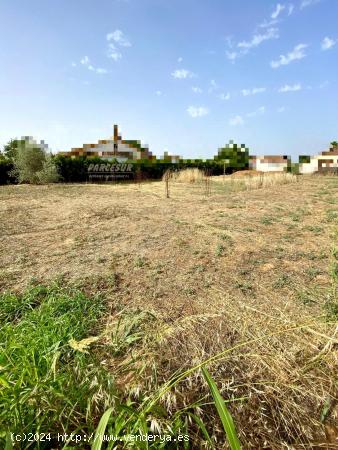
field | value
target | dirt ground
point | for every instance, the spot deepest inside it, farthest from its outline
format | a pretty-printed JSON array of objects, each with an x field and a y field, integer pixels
[
  {"x": 169, "y": 249},
  {"x": 257, "y": 259}
]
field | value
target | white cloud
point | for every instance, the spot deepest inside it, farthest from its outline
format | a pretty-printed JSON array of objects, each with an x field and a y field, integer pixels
[
  {"x": 237, "y": 120},
  {"x": 85, "y": 60},
  {"x": 116, "y": 39},
  {"x": 296, "y": 53},
  {"x": 306, "y": 3},
  {"x": 245, "y": 46},
  {"x": 269, "y": 23},
  {"x": 158, "y": 93},
  {"x": 180, "y": 59},
  {"x": 257, "y": 39},
  {"x": 101, "y": 71},
  {"x": 113, "y": 52},
  {"x": 276, "y": 15},
  {"x": 197, "y": 90},
  {"x": 232, "y": 55},
  {"x": 277, "y": 11},
  {"x": 119, "y": 38},
  {"x": 73, "y": 64},
  {"x": 258, "y": 112},
  {"x": 290, "y": 88},
  {"x": 253, "y": 91},
  {"x": 182, "y": 74},
  {"x": 323, "y": 84},
  {"x": 328, "y": 43},
  {"x": 213, "y": 86},
  {"x": 197, "y": 111},
  {"x": 281, "y": 109},
  {"x": 225, "y": 96}
]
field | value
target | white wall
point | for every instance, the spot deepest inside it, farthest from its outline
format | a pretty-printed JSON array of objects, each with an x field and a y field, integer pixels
[
  {"x": 270, "y": 167},
  {"x": 312, "y": 166}
]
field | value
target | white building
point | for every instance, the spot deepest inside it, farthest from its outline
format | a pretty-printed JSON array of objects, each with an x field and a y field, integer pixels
[
  {"x": 326, "y": 161},
  {"x": 272, "y": 163}
]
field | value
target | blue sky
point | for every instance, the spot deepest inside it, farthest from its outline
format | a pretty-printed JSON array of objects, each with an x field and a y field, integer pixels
[{"x": 181, "y": 75}]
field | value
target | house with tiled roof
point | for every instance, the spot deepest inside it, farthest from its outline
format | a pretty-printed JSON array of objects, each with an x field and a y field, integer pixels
[
  {"x": 272, "y": 163},
  {"x": 114, "y": 148},
  {"x": 326, "y": 161}
]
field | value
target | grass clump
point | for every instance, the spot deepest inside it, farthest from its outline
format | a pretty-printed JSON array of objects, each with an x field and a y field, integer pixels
[
  {"x": 46, "y": 386},
  {"x": 192, "y": 175},
  {"x": 332, "y": 300}
]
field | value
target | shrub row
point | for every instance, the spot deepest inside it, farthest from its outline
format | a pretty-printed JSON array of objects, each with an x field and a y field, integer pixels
[
  {"x": 5, "y": 172},
  {"x": 76, "y": 170}
]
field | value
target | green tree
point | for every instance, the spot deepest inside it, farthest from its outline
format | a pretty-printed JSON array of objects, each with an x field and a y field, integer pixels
[
  {"x": 334, "y": 144},
  {"x": 233, "y": 156},
  {"x": 32, "y": 164},
  {"x": 304, "y": 159},
  {"x": 10, "y": 149}
]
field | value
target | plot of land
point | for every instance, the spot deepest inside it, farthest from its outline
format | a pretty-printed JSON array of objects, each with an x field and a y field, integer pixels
[{"x": 215, "y": 271}]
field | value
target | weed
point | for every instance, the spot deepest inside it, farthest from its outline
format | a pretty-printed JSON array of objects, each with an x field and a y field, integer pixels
[
  {"x": 139, "y": 262},
  {"x": 312, "y": 272},
  {"x": 189, "y": 291},
  {"x": 220, "y": 250},
  {"x": 331, "y": 215},
  {"x": 101, "y": 259},
  {"x": 225, "y": 416},
  {"x": 266, "y": 220},
  {"x": 198, "y": 268},
  {"x": 244, "y": 286},
  {"x": 45, "y": 385},
  {"x": 306, "y": 297},
  {"x": 295, "y": 217},
  {"x": 283, "y": 281},
  {"x": 227, "y": 238},
  {"x": 314, "y": 229}
]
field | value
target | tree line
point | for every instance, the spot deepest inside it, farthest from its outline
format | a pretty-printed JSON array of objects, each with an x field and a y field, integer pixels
[{"x": 27, "y": 161}]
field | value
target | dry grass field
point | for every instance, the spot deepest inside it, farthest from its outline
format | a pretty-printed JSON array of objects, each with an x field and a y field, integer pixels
[{"x": 246, "y": 272}]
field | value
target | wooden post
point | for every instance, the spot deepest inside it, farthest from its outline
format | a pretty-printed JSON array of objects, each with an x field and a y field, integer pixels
[
  {"x": 138, "y": 177},
  {"x": 207, "y": 182},
  {"x": 166, "y": 181}
]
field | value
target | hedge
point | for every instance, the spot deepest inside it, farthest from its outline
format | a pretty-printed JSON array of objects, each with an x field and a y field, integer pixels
[
  {"x": 5, "y": 168},
  {"x": 75, "y": 170}
]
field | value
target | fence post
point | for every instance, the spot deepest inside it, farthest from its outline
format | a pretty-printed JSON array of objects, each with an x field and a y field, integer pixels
[
  {"x": 207, "y": 182},
  {"x": 166, "y": 181},
  {"x": 138, "y": 177}
]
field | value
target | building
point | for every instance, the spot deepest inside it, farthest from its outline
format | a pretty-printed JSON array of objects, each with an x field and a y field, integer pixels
[
  {"x": 326, "y": 161},
  {"x": 273, "y": 163},
  {"x": 114, "y": 148}
]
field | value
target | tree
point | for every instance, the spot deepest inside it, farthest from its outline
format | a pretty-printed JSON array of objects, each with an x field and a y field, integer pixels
[
  {"x": 233, "y": 157},
  {"x": 304, "y": 159},
  {"x": 10, "y": 149},
  {"x": 334, "y": 144},
  {"x": 49, "y": 172},
  {"x": 32, "y": 164}
]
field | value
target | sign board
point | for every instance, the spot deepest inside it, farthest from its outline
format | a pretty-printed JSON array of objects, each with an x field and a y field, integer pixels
[{"x": 110, "y": 172}]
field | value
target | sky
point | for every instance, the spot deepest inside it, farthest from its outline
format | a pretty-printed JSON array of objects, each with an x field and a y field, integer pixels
[{"x": 183, "y": 76}]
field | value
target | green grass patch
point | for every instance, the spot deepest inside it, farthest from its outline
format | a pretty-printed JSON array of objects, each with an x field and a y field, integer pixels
[
  {"x": 266, "y": 220},
  {"x": 46, "y": 386}
]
